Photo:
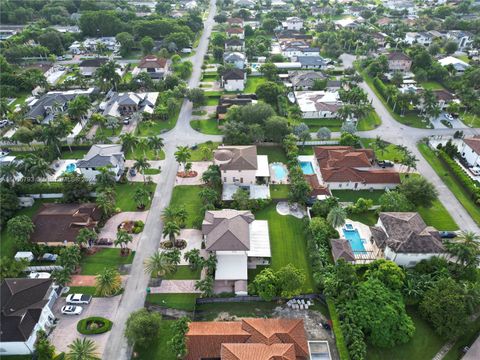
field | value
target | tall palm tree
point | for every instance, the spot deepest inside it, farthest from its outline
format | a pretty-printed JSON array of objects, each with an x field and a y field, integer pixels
[
  {"x": 466, "y": 248},
  {"x": 123, "y": 238},
  {"x": 82, "y": 349},
  {"x": 380, "y": 145},
  {"x": 159, "y": 264},
  {"x": 129, "y": 141},
  {"x": 9, "y": 172},
  {"x": 170, "y": 230},
  {"x": 108, "y": 282},
  {"x": 141, "y": 197},
  {"x": 141, "y": 164},
  {"x": 182, "y": 155},
  {"x": 78, "y": 107},
  {"x": 35, "y": 168},
  {"x": 85, "y": 235},
  {"x": 4, "y": 108},
  {"x": 410, "y": 161},
  {"x": 155, "y": 143},
  {"x": 169, "y": 214},
  {"x": 336, "y": 217},
  {"x": 107, "y": 76}
]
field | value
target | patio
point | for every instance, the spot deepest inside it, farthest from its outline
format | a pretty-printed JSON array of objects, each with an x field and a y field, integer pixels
[
  {"x": 284, "y": 208},
  {"x": 256, "y": 191},
  {"x": 60, "y": 167}
]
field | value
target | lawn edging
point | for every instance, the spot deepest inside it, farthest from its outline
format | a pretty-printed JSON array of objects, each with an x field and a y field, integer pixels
[{"x": 337, "y": 329}]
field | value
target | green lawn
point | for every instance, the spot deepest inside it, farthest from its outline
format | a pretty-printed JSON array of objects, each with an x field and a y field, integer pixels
[
  {"x": 199, "y": 112},
  {"x": 139, "y": 152},
  {"x": 352, "y": 196},
  {"x": 472, "y": 331},
  {"x": 212, "y": 100},
  {"x": 74, "y": 154},
  {"x": 103, "y": 131},
  {"x": 456, "y": 188},
  {"x": 315, "y": 124},
  {"x": 390, "y": 153},
  {"x": 209, "y": 78},
  {"x": 252, "y": 83},
  {"x": 87, "y": 290},
  {"x": 423, "y": 345},
  {"x": 287, "y": 242},
  {"x": 369, "y": 218},
  {"x": 370, "y": 122},
  {"x": 279, "y": 191},
  {"x": 197, "y": 154},
  {"x": 152, "y": 171},
  {"x": 188, "y": 196},
  {"x": 438, "y": 217},
  {"x": 181, "y": 301},
  {"x": 208, "y": 126},
  {"x": 125, "y": 193},
  {"x": 147, "y": 128},
  {"x": 471, "y": 120},
  {"x": 105, "y": 258},
  {"x": 20, "y": 99},
  {"x": 432, "y": 85},
  {"x": 158, "y": 349},
  {"x": 184, "y": 273},
  {"x": 275, "y": 153},
  {"x": 208, "y": 312}
]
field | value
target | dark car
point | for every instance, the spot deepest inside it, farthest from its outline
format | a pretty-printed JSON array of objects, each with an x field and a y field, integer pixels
[
  {"x": 326, "y": 326},
  {"x": 132, "y": 172},
  {"x": 104, "y": 241},
  {"x": 447, "y": 234},
  {"x": 385, "y": 163}
]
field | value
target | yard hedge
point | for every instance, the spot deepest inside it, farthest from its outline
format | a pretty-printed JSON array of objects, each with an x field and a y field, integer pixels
[
  {"x": 337, "y": 329},
  {"x": 38, "y": 188},
  {"x": 82, "y": 326}
]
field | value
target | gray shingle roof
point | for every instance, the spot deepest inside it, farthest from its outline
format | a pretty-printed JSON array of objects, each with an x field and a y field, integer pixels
[{"x": 102, "y": 155}]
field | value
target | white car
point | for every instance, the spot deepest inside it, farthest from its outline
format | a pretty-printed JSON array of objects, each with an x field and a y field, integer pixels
[
  {"x": 78, "y": 299},
  {"x": 448, "y": 117},
  {"x": 39, "y": 275},
  {"x": 71, "y": 310}
]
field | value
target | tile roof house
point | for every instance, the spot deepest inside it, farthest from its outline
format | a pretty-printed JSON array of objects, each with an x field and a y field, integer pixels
[
  {"x": 234, "y": 44},
  {"x": 58, "y": 224},
  {"x": 234, "y": 80},
  {"x": 470, "y": 150},
  {"x": 304, "y": 80},
  {"x": 341, "y": 249},
  {"x": 248, "y": 339},
  {"x": 235, "y": 22},
  {"x": 235, "y": 31},
  {"x": 318, "y": 104},
  {"x": 398, "y": 61},
  {"x": 89, "y": 66},
  {"x": 404, "y": 238},
  {"x": 154, "y": 66},
  {"x": 239, "y": 241},
  {"x": 444, "y": 97},
  {"x": 235, "y": 58},
  {"x": 347, "y": 168},
  {"x": 26, "y": 307},
  {"x": 313, "y": 62},
  {"x": 226, "y": 101},
  {"x": 102, "y": 156},
  {"x": 120, "y": 104}
]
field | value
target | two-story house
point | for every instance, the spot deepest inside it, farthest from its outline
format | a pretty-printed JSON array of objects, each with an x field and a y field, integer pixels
[
  {"x": 234, "y": 80},
  {"x": 293, "y": 23},
  {"x": 121, "y": 104},
  {"x": 464, "y": 39},
  {"x": 398, "y": 61},
  {"x": 234, "y": 44},
  {"x": 235, "y": 31},
  {"x": 154, "y": 66},
  {"x": 470, "y": 151},
  {"x": 237, "y": 59},
  {"x": 318, "y": 104},
  {"x": 108, "y": 156}
]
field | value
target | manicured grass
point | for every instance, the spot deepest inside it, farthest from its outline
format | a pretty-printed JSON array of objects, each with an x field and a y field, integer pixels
[
  {"x": 471, "y": 120},
  {"x": 390, "y": 153},
  {"x": 184, "y": 273},
  {"x": 147, "y": 128},
  {"x": 279, "y": 191},
  {"x": 275, "y": 153},
  {"x": 212, "y": 100},
  {"x": 7, "y": 243},
  {"x": 315, "y": 124},
  {"x": 463, "y": 58},
  {"x": 455, "y": 187},
  {"x": 209, "y": 78},
  {"x": 139, "y": 152},
  {"x": 74, "y": 154},
  {"x": 158, "y": 349},
  {"x": 197, "y": 153},
  {"x": 252, "y": 83},
  {"x": 105, "y": 258},
  {"x": 183, "y": 301},
  {"x": 199, "y": 112},
  {"x": 208, "y": 126},
  {"x": 104, "y": 131},
  {"x": 287, "y": 242},
  {"x": 208, "y": 312},
  {"x": 20, "y": 99},
  {"x": 432, "y": 85},
  {"x": 438, "y": 217},
  {"x": 188, "y": 196},
  {"x": 472, "y": 331},
  {"x": 125, "y": 193},
  {"x": 152, "y": 171},
  {"x": 369, "y": 218},
  {"x": 86, "y": 290},
  {"x": 423, "y": 345},
  {"x": 352, "y": 196},
  {"x": 370, "y": 122}
]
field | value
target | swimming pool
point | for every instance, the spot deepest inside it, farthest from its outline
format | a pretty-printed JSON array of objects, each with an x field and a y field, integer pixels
[
  {"x": 307, "y": 167},
  {"x": 70, "y": 168},
  {"x": 353, "y": 237},
  {"x": 279, "y": 171}
]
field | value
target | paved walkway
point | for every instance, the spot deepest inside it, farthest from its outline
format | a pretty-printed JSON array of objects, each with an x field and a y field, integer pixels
[
  {"x": 199, "y": 167},
  {"x": 175, "y": 287},
  {"x": 109, "y": 231},
  {"x": 82, "y": 280}
]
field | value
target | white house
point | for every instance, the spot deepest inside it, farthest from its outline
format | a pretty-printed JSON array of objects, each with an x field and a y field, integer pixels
[
  {"x": 404, "y": 238},
  {"x": 294, "y": 51},
  {"x": 235, "y": 58},
  {"x": 464, "y": 39},
  {"x": 459, "y": 65},
  {"x": 234, "y": 80},
  {"x": 120, "y": 104},
  {"x": 102, "y": 156},
  {"x": 239, "y": 242},
  {"x": 423, "y": 38},
  {"x": 154, "y": 66},
  {"x": 318, "y": 104},
  {"x": 26, "y": 307},
  {"x": 470, "y": 151},
  {"x": 293, "y": 23}
]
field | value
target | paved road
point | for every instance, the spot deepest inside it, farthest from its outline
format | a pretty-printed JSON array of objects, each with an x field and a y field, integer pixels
[
  {"x": 397, "y": 133},
  {"x": 135, "y": 290}
]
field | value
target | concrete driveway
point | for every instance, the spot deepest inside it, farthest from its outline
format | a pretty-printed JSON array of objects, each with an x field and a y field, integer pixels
[
  {"x": 109, "y": 231},
  {"x": 66, "y": 331}
]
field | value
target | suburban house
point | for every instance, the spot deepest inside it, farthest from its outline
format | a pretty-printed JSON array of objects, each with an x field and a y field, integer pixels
[
  {"x": 313, "y": 62},
  {"x": 237, "y": 59},
  {"x": 89, "y": 45},
  {"x": 294, "y": 51},
  {"x": 347, "y": 168},
  {"x": 459, "y": 65},
  {"x": 154, "y": 66},
  {"x": 239, "y": 242},
  {"x": 304, "y": 80},
  {"x": 398, "y": 61},
  {"x": 226, "y": 101},
  {"x": 293, "y": 23},
  {"x": 464, "y": 39},
  {"x": 470, "y": 151},
  {"x": 248, "y": 339},
  {"x": 89, "y": 66},
  {"x": 379, "y": 38},
  {"x": 424, "y": 38},
  {"x": 26, "y": 306},
  {"x": 235, "y": 31},
  {"x": 121, "y": 104},
  {"x": 404, "y": 238},
  {"x": 102, "y": 156},
  {"x": 59, "y": 224},
  {"x": 290, "y": 35},
  {"x": 234, "y": 80},
  {"x": 234, "y": 44},
  {"x": 444, "y": 97},
  {"x": 235, "y": 22},
  {"x": 318, "y": 104}
]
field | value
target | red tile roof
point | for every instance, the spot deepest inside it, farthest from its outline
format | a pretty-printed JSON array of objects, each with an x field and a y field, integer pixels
[
  {"x": 235, "y": 30},
  {"x": 258, "y": 352},
  {"x": 151, "y": 61},
  {"x": 473, "y": 143}
]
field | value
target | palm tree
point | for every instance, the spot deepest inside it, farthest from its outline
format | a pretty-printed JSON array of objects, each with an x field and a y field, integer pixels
[
  {"x": 62, "y": 277},
  {"x": 410, "y": 161},
  {"x": 182, "y": 155},
  {"x": 169, "y": 214},
  {"x": 112, "y": 124},
  {"x": 193, "y": 257},
  {"x": 206, "y": 152},
  {"x": 4, "y": 108},
  {"x": 336, "y": 217},
  {"x": 170, "y": 230},
  {"x": 141, "y": 164},
  {"x": 107, "y": 76},
  {"x": 108, "y": 282},
  {"x": 105, "y": 178},
  {"x": 82, "y": 349},
  {"x": 106, "y": 202},
  {"x": 123, "y": 238},
  {"x": 380, "y": 145},
  {"x": 141, "y": 197},
  {"x": 35, "y": 168},
  {"x": 159, "y": 264},
  {"x": 9, "y": 172},
  {"x": 129, "y": 141},
  {"x": 182, "y": 215},
  {"x": 155, "y": 143},
  {"x": 466, "y": 248},
  {"x": 78, "y": 107},
  {"x": 85, "y": 235}
]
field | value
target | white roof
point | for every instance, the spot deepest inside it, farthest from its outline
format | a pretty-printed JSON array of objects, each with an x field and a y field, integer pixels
[
  {"x": 231, "y": 266},
  {"x": 452, "y": 60},
  {"x": 259, "y": 239},
  {"x": 262, "y": 166},
  {"x": 24, "y": 255},
  {"x": 307, "y": 100}
]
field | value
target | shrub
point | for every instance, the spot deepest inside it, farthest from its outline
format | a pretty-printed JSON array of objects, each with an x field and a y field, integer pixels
[
  {"x": 94, "y": 325},
  {"x": 337, "y": 329},
  {"x": 38, "y": 188}
]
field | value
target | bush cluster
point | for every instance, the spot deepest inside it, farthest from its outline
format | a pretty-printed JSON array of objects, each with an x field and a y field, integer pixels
[{"x": 86, "y": 326}]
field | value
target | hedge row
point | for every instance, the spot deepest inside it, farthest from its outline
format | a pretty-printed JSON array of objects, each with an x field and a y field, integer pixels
[
  {"x": 459, "y": 174},
  {"x": 382, "y": 89},
  {"x": 38, "y": 188},
  {"x": 339, "y": 339},
  {"x": 82, "y": 325}
]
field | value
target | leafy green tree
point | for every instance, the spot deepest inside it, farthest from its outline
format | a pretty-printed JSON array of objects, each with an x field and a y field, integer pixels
[
  {"x": 276, "y": 128},
  {"x": 69, "y": 257},
  {"x": 20, "y": 228},
  {"x": 178, "y": 342},
  {"x": 269, "y": 92},
  {"x": 43, "y": 349},
  {"x": 147, "y": 44},
  {"x": 347, "y": 139},
  {"x": 324, "y": 133},
  {"x": 127, "y": 42},
  {"x": 11, "y": 268},
  {"x": 123, "y": 238},
  {"x": 419, "y": 191},
  {"x": 212, "y": 176},
  {"x": 75, "y": 187},
  {"x": 337, "y": 216},
  {"x": 105, "y": 179},
  {"x": 466, "y": 248},
  {"x": 322, "y": 207},
  {"x": 241, "y": 199},
  {"x": 205, "y": 286},
  {"x": 107, "y": 75},
  {"x": 269, "y": 70},
  {"x": 450, "y": 47},
  {"x": 395, "y": 201},
  {"x": 108, "y": 282},
  {"x": 62, "y": 277},
  {"x": 265, "y": 284},
  {"x": 290, "y": 280},
  {"x": 159, "y": 264},
  {"x": 389, "y": 273},
  {"x": 142, "y": 327},
  {"x": 85, "y": 235},
  {"x": 196, "y": 96}
]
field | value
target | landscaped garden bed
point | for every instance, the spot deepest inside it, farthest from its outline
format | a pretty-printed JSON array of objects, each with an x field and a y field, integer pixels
[
  {"x": 189, "y": 174},
  {"x": 180, "y": 244},
  {"x": 94, "y": 326}
]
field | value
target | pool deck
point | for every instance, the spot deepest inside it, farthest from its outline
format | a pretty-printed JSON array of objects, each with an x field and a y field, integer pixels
[
  {"x": 316, "y": 168},
  {"x": 60, "y": 166},
  {"x": 273, "y": 175},
  {"x": 365, "y": 235}
]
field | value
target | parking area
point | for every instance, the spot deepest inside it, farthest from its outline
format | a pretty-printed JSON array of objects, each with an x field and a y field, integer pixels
[{"x": 66, "y": 329}]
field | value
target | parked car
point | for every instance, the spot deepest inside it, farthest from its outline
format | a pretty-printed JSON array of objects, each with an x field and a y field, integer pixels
[
  {"x": 132, "y": 172},
  {"x": 104, "y": 241},
  {"x": 72, "y": 310},
  {"x": 49, "y": 257},
  {"x": 126, "y": 122},
  {"x": 39, "y": 275},
  {"x": 4, "y": 123},
  {"x": 475, "y": 171},
  {"x": 78, "y": 299},
  {"x": 385, "y": 163},
  {"x": 448, "y": 116},
  {"x": 447, "y": 234}
]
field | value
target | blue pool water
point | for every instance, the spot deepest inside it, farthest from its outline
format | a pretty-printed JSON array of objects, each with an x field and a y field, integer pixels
[
  {"x": 307, "y": 167},
  {"x": 279, "y": 171},
  {"x": 354, "y": 239},
  {"x": 70, "y": 168}
]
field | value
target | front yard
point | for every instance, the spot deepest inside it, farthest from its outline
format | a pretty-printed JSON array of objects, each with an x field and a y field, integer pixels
[
  {"x": 139, "y": 152},
  {"x": 197, "y": 153},
  {"x": 105, "y": 258},
  {"x": 184, "y": 273},
  {"x": 158, "y": 349},
  {"x": 188, "y": 196},
  {"x": 252, "y": 83},
  {"x": 314, "y": 124},
  {"x": 390, "y": 153},
  {"x": 181, "y": 301},
  {"x": 125, "y": 193},
  {"x": 208, "y": 126},
  {"x": 369, "y": 122},
  {"x": 279, "y": 191},
  {"x": 74, "y": 154},
  {"x": 155, "y": 127}
]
